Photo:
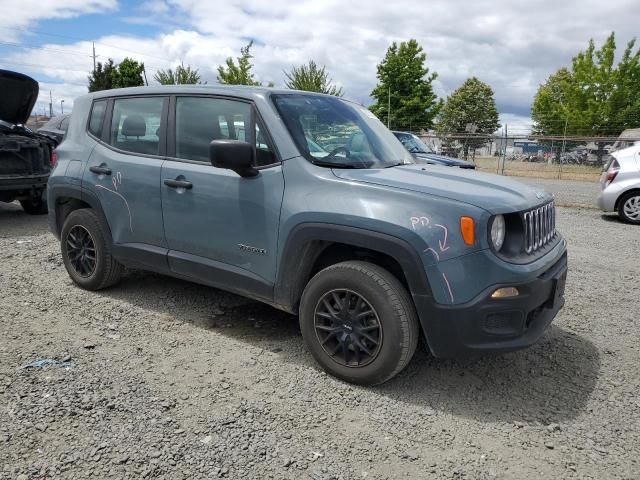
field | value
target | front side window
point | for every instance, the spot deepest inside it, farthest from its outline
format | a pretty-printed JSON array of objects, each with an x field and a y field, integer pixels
[
  {"x": 201, "y": 120},
  {"x": 97, "y": 117},
  {"x": 413, "y": 143},
  {"x": 332, "y": 132},
  {"x": 135, "y": 125}
]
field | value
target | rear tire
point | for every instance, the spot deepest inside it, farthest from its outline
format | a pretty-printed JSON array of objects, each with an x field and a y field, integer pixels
[
  {"x": 339, "y": 311},
  {"x": 35, "y": 206},
  {"x": 629, "y": 208},
  {"x": 86, "y": 252}
]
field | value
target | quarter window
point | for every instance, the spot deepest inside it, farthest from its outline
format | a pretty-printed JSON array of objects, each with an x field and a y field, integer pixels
[
  {"x": 264, "y": 153},
  {"x": 97, "y": 117},
  {"x": 135, "y": 125}
]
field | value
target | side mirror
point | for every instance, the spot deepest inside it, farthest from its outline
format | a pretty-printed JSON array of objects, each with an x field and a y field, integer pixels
[{"x": 234, "y": 155}]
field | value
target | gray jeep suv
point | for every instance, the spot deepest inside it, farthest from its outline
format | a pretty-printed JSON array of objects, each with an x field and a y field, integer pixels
[{"x": 308, "y": 203}]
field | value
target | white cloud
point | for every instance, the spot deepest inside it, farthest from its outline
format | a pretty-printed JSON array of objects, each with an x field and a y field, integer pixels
[
  {"x": 512, "y": 45},
  {"x": 18, "y": 15}
]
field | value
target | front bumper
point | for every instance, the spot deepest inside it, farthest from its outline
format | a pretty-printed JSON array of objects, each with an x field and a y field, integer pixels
[{"x": 486, "y": 325}]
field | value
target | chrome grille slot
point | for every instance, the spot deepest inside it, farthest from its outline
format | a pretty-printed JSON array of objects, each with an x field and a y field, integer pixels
[{"x": 539, "y": 227}]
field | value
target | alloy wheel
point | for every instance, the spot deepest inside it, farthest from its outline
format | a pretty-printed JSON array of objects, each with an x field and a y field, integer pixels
[
  {"x": 632, "y": 208},
  {"x": 348, "y": 328},
  {"x": 81, "y": 251}
]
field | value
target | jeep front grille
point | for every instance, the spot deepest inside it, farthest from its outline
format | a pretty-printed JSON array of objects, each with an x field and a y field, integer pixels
[{"x": 539, "y": 227}]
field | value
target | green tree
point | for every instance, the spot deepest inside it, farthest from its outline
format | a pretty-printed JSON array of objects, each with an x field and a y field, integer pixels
[
  {"x": 239, "y": 74},
  {"x": 594, "y": 97},
  {"x": 312, "y": 78},
  {"x": 100, "y": 78},
  {"x": 128, "y": 73},
  {"x": 406, "y": 84},
  {"x": 471, "y": 108},
  {"x": 181, "y": 76}
]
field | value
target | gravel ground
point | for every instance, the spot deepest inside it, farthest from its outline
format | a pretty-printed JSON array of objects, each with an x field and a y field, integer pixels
[
  {"x": 167, "y": 379},
  {"x": 568, "y": 193}
]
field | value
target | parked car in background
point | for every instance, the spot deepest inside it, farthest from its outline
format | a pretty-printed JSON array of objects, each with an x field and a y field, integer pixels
[
  {"x": 56, "y": 128},
  {"x": 308, "y": 203},
  {"x": 620, "y": 183},
  {"x": 422, "y": 153},
  {"x": 26, "y": 157}
]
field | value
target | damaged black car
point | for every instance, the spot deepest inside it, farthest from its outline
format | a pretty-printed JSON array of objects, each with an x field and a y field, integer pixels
[{"x": 26, "y": 157}]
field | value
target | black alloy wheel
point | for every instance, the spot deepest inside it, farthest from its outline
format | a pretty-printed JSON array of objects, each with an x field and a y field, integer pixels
[
  {"x": 348, "y": 328},
  {"x": 81, "y": 250}
]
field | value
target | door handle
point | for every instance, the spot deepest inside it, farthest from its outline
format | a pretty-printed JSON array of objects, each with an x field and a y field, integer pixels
[
  {"x": 178, "y": 184},
  {"x": 100, "y": 170}
]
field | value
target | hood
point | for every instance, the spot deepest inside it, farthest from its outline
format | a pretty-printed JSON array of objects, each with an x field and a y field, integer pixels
[
  {"x": 442, "y": 160},
  {"x": 494, "y": 193},
  {"x": 19, "y": 95}
]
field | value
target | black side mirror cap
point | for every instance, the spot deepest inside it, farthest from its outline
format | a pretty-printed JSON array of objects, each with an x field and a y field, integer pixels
[{"x": 234, "y": 155}]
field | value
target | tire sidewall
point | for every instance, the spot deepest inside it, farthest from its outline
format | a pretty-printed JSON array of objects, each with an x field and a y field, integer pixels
[
  {"x": 86, "y": 219},
  {"x": 393, "y": 338}
]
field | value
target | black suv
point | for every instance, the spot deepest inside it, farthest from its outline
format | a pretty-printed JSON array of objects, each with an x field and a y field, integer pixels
[{"x": 26, "y": 157}]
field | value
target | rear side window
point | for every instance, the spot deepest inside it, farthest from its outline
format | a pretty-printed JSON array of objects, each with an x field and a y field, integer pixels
[
  {"x": 97, "y": 117},
  {"x": 135, "y": 125}
]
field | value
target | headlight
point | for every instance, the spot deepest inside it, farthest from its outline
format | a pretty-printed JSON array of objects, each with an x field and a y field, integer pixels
[{"x": 497, "y": 232}]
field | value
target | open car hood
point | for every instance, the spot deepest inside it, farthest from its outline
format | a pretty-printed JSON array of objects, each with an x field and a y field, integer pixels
[{"x": 19, "y": 95}]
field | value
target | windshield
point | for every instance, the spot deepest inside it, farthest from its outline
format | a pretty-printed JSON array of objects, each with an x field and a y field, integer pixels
[
  {"x": 413, "y": 143},
  {"x": 332, "y": 132}
]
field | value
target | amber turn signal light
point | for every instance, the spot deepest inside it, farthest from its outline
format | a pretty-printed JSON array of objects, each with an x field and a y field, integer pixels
[{"x": 467, "y": 230}]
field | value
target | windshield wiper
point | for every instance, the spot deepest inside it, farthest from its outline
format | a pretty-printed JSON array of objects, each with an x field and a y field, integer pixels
[{"x": 322, "y": 163}]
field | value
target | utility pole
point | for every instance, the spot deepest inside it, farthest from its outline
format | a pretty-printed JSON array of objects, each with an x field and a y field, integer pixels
[
  {"x": 50, "y": 104},
  {"x": 62, "y": 106},
  {"x": 564, "y": 143},
  {"x": 506, "y": 140},
  {"x": 389, "y": 109},
  {"x": 94, "y": 56},
  {"x": 144, "y": 71}
]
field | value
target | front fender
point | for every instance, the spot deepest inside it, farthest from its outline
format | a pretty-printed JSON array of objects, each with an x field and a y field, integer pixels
[{"x": 308, "y": 240}]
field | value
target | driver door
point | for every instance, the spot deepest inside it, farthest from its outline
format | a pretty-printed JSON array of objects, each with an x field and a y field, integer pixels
[{"x": 222, "y": 229}]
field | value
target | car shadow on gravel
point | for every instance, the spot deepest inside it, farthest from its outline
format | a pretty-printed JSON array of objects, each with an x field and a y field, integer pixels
[
  {"x": 204, "y": 307},
  {"x": 15, "y": 223},
  {"x": 549, "y": 382}
]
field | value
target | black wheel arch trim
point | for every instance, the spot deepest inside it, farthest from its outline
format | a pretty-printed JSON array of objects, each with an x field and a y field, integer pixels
[
  {"x": 307, "y": 241},
  {"x": 77, "y": 193}
]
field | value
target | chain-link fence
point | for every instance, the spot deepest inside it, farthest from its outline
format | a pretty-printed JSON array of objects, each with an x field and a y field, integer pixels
[{"x": 570, "y": 157}]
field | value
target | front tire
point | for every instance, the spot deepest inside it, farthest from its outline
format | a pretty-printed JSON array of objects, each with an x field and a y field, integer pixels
[
  {"x": 629, "y": 208},
  {"x": 359, "y": 322},
  {"x": 86, "y": 253}
]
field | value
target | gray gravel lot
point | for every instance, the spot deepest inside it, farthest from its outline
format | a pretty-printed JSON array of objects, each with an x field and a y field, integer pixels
[
  {"x": 167, "y": 379},
  {"x": 568, "y": 193}
]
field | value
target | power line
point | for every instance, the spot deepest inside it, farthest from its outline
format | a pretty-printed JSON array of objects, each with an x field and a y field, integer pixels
[{"x": 85, "y": 40}]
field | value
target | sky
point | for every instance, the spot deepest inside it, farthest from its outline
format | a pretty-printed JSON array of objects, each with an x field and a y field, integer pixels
[{"x": 512, "y": 45}]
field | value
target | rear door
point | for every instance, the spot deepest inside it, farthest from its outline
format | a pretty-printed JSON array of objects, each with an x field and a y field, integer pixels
[
  {"x": 222, "y": 229},
  {"x": 124, "y": 169}
]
